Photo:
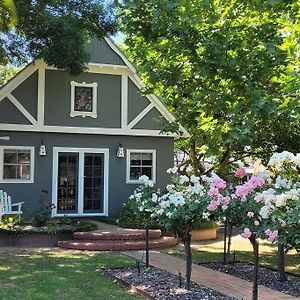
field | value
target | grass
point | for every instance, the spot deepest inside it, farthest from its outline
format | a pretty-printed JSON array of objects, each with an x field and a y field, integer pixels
[
  {"x": 212, "y": 251},
  {"x": 59, "y": 275}
]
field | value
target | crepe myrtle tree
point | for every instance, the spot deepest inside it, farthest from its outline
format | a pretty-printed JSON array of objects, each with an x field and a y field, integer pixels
[
  {"x": 177, "y": 210},
  {"x": 263, "y": 206}
]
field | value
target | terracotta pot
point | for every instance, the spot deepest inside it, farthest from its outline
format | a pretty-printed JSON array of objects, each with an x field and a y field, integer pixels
[{"x": 204, "y": 234}]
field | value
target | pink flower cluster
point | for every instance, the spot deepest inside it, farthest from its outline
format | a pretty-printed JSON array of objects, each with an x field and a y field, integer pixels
[
  {"x": 249, "y": 186},
  {"x": 221, "y": 200},
  {"x": 246, "y": 233},
  {"x": 271, "y": 235},
  {"x": 216, "y": 184},
  {"x": 240, "y": 173}
]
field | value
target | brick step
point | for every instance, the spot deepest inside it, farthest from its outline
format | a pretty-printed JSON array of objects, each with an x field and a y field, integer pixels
[
  {"x": 118, "y": 245},
  {"x": 128, "y": 234}
]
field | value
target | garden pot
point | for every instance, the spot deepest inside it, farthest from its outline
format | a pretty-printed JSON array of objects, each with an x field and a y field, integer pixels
[{"x": 204, "y": 234}]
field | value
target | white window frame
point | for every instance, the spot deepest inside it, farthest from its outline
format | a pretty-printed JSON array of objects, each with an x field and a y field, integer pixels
[
  {"x": 83, "y": 114},
  {"x": 3, "y": 180},
  {"x": 129, "y": 151}
]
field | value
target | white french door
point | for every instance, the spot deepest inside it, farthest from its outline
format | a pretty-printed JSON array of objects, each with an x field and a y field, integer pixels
[{"x": 80, "y": 181}]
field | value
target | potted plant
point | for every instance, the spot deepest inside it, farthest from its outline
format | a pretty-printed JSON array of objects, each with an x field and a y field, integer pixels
[{"x": 204, "y": 230}]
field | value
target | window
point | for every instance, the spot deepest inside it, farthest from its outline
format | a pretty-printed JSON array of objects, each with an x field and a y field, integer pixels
[
  {"x": 84, "y": 99},
  {"x": 16, "y": 164},
  {"x": 140, "y": 162}
]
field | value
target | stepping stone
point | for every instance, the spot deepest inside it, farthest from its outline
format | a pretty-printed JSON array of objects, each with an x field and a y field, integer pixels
[{"x": 117, "y": 245}]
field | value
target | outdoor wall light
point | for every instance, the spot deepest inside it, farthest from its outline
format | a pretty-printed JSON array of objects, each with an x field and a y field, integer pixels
[
  {"x": 43, "y": 151},
  {"x": 120, "y": 152}
]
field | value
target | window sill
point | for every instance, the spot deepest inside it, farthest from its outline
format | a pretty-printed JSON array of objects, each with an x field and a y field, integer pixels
[{"x": 16, "y": 181}]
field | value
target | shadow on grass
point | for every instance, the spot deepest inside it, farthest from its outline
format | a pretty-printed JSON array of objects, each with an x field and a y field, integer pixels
[
  {"x": 59, "y": 275},
  {"x": 267, "y": 258}
]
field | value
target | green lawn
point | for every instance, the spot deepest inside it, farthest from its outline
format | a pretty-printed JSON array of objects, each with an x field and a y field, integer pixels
[
  {"x": 211, "y": 251},
  {"x": 29, "y": 275}
]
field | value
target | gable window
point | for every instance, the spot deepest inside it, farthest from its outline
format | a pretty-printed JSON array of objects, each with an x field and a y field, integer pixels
[
  {"x": 16, "y": 164},
  {"x": 83, "y": 99},
  {"x": 140, "y": 162}
]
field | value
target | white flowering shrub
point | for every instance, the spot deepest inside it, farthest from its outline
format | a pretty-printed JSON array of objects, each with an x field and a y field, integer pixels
[
  {"x": 184, "y": 202},
  {"x": 136, "y": 212}
]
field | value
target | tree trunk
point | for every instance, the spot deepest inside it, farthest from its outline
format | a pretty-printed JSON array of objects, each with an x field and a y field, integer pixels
[
  {"x": 194, "y": 161},
  {"x": 254, "y": 243},
  {"x": 225, "y": 240},
  {"x": 281, "y": 262},
  {"x": 229, "y": 244},
  {"x": 224, "y": 163},
  {"x": 188, "y": 260}
]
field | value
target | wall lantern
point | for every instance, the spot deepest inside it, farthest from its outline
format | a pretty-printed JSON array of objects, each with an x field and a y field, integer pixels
[
  {"x": 43, "y": 151},
  {"x": 120, "y": 152}
]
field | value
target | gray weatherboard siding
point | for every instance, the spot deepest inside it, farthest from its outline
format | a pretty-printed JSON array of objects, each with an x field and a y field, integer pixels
[
  {"x": 100, "y": 52},
  {"x": 118, "y": 190},
  {"x": 58, "y": 100}
]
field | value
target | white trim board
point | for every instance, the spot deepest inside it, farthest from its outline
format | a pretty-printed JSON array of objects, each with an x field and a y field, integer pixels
[
  {"x": 81, "y": 152},
  {"x": 86, "y": 130},
  {"x": 22, "y": 109}
]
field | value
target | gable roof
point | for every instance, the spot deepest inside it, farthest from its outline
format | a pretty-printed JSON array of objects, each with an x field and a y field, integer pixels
[{"x": 122, "y": 66}]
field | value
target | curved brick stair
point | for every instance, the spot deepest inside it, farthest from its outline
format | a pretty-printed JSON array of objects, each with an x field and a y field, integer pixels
[{"x": 119, "y": 240}]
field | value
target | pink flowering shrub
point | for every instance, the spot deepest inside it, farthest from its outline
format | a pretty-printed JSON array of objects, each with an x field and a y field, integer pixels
[{"x": 263, "y": 206}]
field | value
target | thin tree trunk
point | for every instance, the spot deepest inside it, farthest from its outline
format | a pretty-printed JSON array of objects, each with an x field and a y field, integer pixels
[
  {"x": 223, "y": 163},
  {"x": 255, "y": 246},
  {"x": 229, "y": 244},
  {"x": 225, "y": 240},
  {"x": 188, "y": 260},
  {"x": 281, "y": 262},
  {"x": 194, "y": 160}
]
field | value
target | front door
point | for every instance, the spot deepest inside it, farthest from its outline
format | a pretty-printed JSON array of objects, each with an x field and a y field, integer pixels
[{"x": 80, "y": 182}]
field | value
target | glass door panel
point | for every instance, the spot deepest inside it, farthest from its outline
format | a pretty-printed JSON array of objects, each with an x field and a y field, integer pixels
[
  {"x": 67, "y": 185},
  {"x": 93, "y": 183}
]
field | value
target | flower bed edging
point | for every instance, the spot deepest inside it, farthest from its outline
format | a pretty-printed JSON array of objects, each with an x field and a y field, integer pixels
[
  {"x": 132, "y": 288},
  {"x": 32, "y": 239}
]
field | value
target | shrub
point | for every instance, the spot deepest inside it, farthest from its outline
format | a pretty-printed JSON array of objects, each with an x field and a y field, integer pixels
[{"x": 42, "y": 214}]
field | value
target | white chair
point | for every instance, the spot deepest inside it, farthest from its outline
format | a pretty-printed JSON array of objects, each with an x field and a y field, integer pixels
[{"x": 8, "y": 208}]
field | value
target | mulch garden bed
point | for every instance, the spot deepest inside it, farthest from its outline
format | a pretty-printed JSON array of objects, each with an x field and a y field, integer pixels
[
  {"x": 159, "y": 284},
  {"x": 267, "y": 277}
]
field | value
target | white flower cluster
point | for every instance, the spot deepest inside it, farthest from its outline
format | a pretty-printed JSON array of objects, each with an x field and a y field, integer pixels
[
  {"x": 146, "y": 181},
  {"x": 271, "y": 200},
  {"x": 278, "y": 159}
]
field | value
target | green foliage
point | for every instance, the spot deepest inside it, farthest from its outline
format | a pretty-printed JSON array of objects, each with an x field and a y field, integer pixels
[
  {"x": 228, "y": 71},
  {"x": 81, "y": 226},
  {"x": 10, "y": 222},
  {"x": 204, "y": 224},
  {"x": 42, "y": 214},
  {"x": 56, "y": 31},
  {"x": 7, "y": 72},
  {"x": 127, "y": 217}
]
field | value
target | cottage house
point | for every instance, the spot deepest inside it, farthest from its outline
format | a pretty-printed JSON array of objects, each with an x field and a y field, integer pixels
[{"x": 85, "y": 139}]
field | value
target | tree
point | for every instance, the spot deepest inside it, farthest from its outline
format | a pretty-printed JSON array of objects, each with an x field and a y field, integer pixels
[
  {"x": 263, "y": 206},
  {"x": 7, "y": 72},
  {"x": 56, "y": 31},
  {"x": 178, "y": 210},
  {"x": 223, "y": 68}
]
